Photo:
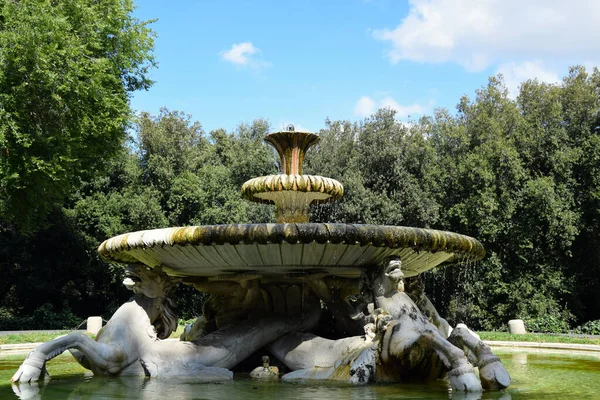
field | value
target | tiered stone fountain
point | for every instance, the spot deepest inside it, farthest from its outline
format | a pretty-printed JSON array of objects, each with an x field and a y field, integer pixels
[
  {"x": 292, "y": 245},
  {"x": 269, "y": 285}
]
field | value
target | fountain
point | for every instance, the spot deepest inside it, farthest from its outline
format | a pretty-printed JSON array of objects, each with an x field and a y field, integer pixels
[{"x": 339, "y": 302}]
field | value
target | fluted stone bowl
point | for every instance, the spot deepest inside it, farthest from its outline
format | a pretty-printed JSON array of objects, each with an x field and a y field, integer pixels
[
  {"x": 268, "y": 189},
  {"x": 274, "y": 249},
  {"x": 292, "y": 194}
]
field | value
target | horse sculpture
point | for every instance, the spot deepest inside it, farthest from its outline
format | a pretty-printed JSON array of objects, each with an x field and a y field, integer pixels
[
  {"x": 400, "y": 343},
  {"x": 387, "y": 334},
  {"x": 130, "y": 343}
]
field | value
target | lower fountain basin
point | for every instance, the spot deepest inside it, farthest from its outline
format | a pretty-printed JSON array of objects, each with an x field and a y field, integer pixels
[
  {"x": 275, "y": 249},
  {"x": 549, "y": 376}
]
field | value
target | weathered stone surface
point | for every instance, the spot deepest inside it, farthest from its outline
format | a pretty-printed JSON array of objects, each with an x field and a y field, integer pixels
[
  {"x": 341, "y": 249},
  {"x": 265, "y": 371},
  {"x": 130, "y": 342},
  {"x": 94, "y": 324},
  {"x": 293, "y": 195},
  {"x": 292, "y": 192},
  {"x": 516, "y": 327},
  {"x": 266, "y": 189}
]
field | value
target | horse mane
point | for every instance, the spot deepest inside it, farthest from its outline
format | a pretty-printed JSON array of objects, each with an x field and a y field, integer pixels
[
  {"x": 155, "y": 296},
  {"x": 166, "y": 323}
]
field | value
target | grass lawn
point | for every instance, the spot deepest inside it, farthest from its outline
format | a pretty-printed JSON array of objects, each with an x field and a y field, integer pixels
[
  {"x": 35, "y": 337},
  {"x": 538, "y": 337},
  {"x": 177, "y": 333}
]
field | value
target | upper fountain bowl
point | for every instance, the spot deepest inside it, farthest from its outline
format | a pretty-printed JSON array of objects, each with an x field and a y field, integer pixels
[
  {"x": 291, "y": 191},
  {"x": 292, "y": 194}
]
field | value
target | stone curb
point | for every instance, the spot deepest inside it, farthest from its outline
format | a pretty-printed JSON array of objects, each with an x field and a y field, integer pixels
[
  {"x": 549, "y": 346},
  {"x": 14, "y": 349}
]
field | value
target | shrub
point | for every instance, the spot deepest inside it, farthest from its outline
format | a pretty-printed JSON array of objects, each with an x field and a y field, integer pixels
[
  {"x": 547, "y": 324},
  {"x": 44, "y": 317},
  {"x": 589, "y": 328},
  {"x": 47, "y": 317}
]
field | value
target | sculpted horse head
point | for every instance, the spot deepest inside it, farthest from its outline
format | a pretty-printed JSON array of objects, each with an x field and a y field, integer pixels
[
  {"x": 387, "y": 278},
  {"x": 152, "y": 288}
]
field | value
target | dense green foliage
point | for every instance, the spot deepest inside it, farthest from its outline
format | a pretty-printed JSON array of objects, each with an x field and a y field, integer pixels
[
  {"x": 66, "y": 70},
  {"x": 589, "y": 328},
  {"x": 521, "y": 175},
  {"x": 55, "y": 278}
]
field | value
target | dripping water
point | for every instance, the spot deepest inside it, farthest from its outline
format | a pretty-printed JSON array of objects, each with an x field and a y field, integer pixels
[{"x": 465, "y": 298}]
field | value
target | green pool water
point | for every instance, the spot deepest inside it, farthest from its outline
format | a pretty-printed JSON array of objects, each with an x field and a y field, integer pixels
[{"x": 535, "y": 375}]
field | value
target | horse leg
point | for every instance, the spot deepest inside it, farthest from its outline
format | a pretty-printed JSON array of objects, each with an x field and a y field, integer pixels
[
  {"x": 415, "y": 288},
  {"x": 407, "y": 344},
  {"x": 223, "y": 348},
  {"x": 235, "y": 343},
  {"x": 80, "y": 358},
  {"x": 99, "y": 355},
  {"x": 312, "y": 357},
  {"x": 491, "y": 371}
]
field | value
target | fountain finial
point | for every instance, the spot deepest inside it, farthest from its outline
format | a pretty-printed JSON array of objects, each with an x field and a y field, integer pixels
[
  {"x": 291, "y": 191},
  {"x": 291, "y": 146}
]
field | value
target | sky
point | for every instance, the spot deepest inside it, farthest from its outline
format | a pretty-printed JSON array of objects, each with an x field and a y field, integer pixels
[{"x": 302, "y": 61}]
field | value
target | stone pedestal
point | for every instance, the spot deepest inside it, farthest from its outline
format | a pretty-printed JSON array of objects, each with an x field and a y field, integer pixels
[
  {"x": 94, "y": 324},
  {"x": 516, "y": 327}
]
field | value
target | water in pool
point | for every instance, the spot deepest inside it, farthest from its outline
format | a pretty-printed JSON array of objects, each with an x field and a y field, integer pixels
[{"x": 535, "y": 375}]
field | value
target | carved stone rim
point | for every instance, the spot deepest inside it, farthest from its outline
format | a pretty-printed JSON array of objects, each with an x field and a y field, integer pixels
[
  {"x": 393, "y": 237},
  {"x": 296, "y": 183}
]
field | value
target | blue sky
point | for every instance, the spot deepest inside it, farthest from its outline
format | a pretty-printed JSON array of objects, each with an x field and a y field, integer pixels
[{"x": 227, "y": 62}]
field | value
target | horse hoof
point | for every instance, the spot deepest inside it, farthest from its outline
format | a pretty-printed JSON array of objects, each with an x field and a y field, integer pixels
[
  {"x": 466, "y": 381},
  {"x": 494, "y": 376},
  {"x": 27, "y": 374}
]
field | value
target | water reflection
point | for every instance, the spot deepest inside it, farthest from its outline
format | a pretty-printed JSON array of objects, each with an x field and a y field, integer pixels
[
  {"x": 97, "y": 388},
  {"x": 478, "y": 396},
  {"x": 519, "y": 359},
  {"x": 535, "y": 375}
]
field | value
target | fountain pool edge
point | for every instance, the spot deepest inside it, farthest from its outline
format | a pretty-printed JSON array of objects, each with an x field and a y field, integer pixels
[{"x": 23, "y": 348}]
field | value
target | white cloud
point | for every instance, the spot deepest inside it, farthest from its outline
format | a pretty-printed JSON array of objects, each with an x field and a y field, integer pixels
[
  {"x": 241, "y": 54},
  {"x": 402, "y": 111},
  {"x": 516, "y": 73},
  {"x": 480, "y": 33},
  {"x": 366, "y": 106}
]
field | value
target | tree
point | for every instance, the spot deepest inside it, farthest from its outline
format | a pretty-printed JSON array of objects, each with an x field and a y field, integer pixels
[
  {"x": 168, "y": 145},
  {"x": 383, "y": 166},
  {"x": 522, "y": 176},
  {"x": 66, "y": 70},
  {"x": 198, "y": 176}
]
